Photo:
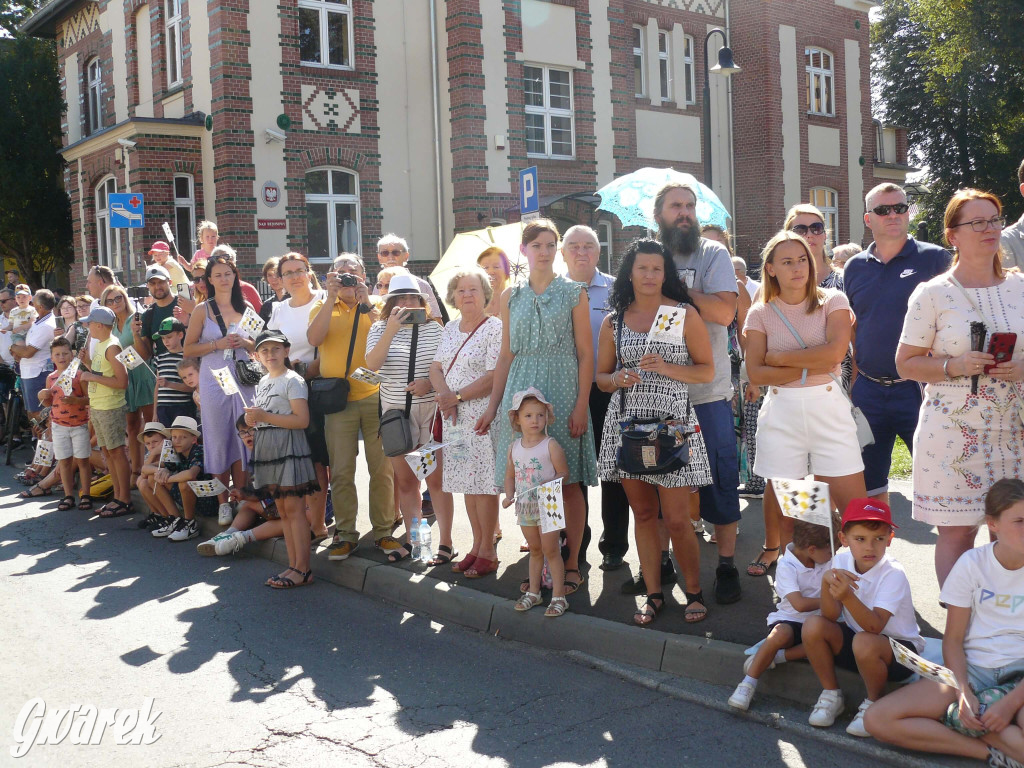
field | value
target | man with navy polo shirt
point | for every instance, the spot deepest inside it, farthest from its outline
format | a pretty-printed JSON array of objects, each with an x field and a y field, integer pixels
[
  {"x": 878, "y": 283},
  {"x": 706, "y": 268},
  {"x": 581, "y": 251}
]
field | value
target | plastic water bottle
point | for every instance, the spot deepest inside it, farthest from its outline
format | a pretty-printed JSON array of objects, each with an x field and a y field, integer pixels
[
  {"x": 426, "y": 552},
  {"x": 414, "y": 538}
]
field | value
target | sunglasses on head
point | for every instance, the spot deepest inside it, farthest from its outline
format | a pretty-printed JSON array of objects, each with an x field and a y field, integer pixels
[
  {"x": 817, "y": 228},
  {"x": 883, "y": 210}
]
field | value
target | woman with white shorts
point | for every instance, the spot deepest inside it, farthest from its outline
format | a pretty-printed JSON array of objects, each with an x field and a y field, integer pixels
[{"x": 805, "y": 424}]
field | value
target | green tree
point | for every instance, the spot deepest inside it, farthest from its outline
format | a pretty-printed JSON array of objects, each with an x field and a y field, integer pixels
[
  {"x": 952, "y": 73},
  {"x": 35, "y": 215}
]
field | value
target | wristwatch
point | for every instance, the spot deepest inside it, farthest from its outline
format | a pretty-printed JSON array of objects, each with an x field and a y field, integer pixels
[{"x": 458, "y": 395}]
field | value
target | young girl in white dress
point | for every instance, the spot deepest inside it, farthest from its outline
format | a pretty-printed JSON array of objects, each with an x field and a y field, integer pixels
[{"x": 534, "y": 459}]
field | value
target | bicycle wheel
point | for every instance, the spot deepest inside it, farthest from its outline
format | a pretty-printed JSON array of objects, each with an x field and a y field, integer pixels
[{"x": 14, "y": 416}]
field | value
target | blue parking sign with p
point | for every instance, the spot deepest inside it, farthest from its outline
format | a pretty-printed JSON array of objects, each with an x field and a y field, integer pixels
[
  {"x": 127, "y": 210},
  {"x": 529, "y": 196}
]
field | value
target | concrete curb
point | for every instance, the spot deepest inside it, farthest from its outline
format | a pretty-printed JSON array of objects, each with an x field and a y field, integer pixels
[{"x": 709, "y": 661}]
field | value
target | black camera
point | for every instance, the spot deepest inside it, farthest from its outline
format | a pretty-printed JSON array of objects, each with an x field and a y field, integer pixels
[{"x": 348, "y": 280}]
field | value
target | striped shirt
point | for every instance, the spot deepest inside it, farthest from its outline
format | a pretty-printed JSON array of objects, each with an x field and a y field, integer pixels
[
  {"x": 395, "y": 370},
  {"x": 167, "y": 367}
]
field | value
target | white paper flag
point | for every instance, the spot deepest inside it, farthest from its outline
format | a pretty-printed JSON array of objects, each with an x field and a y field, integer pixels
[
  {"x": 129, "y": 358},
  {"x": 251, "y": 323},
  {"x": 226, "y": 380},
  {"x": 422, "y": 462},
  {"x": 921, "y": 665},
  {"x": 44, "y": 453},
  {"x": 207, "y": 487},
  {"x": 167, "y": 232},
  {"x": 166, "y": 453},
  {"x": 365, "y": 375},
  {"x": 668, "y": 325},
  {"x": 806, "y": 500},
  {"x": 552, "y": 510}
]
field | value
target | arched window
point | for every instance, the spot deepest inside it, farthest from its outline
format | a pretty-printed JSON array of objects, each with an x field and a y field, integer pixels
[
  {"x": 332, "y": 213},
  {"x": 827, "y": 201},
  {"x": 93, "y": 89},
  {"x": 108, "y": 241}
]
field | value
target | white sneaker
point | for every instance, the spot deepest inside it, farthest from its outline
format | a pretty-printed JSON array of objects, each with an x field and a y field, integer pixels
[
  {"x": 750, "y": 662},
  {"x": 829, "y": 706},
  {"x": 225, "y": 514},
  {"x": 856, "y": 728},
  {"x": 167, "y": 528},
  {"x": 184, "y": 530},
  {"x": 229, "y": 543},
  {"x": 741, "y": 697},
  {"x": 209, "y": 548}
]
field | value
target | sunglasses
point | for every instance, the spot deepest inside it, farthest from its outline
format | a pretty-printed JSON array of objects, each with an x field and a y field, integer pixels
[
  {"x": 817, "y": 228},
  {"x": 396, "y": 252},
  {"x": 883, "y": 210}
]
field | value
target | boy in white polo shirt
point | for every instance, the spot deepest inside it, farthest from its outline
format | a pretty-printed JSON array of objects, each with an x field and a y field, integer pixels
[
  {"x": 872, "y": 593},
  {"x": 798, "y": 585}
]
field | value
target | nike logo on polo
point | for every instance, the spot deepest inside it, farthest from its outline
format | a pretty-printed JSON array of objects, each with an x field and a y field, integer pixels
[{"x": 908, "y": 272}]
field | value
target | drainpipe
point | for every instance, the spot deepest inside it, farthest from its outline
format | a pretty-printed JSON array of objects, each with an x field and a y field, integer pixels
[
  {"x": 732, "y": 151},
  {"x": 434, "y": 88}
]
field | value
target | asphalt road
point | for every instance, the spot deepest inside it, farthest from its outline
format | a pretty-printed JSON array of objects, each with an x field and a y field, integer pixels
[{"x": 97, "y": 612}]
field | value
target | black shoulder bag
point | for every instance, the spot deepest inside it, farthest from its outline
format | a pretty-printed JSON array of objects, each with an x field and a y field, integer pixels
[
  {"x": 328, "y": 396},
  {"x": 395, "y": 425},
  {"x": 248, "y": 372},
  {"x": 649, "y": 446}
]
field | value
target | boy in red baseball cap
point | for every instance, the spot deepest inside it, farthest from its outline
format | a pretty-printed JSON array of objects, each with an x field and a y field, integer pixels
[{"x": 871, "y": 592}]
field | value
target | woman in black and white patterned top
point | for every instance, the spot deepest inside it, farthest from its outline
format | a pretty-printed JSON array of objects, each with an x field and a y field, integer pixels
[{"x": 650, "y": 381}]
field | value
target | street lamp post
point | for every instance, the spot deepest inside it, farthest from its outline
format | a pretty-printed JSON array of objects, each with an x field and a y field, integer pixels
[{"x": 725, "y": 67}]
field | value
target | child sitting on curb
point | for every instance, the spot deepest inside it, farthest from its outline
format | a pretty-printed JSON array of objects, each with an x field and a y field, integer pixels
[
  {"x": 160, "y": 512},
  {"x": 872, "y": 593},
  {"x": 172, "y": 480},
  {"x": 253, "y": 509},
  {"x": 798, "y": 585}
]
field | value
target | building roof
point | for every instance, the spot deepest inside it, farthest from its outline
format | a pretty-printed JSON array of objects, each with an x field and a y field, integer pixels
[
  {"x": 190, "y": 125},
  {"x": 43, "y": 23}
]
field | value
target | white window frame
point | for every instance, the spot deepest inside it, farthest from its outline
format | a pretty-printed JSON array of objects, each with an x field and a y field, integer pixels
[
  {"x": 325, "y": 8},
  {"x": 879, "y": 143},
  {"x": 184, "y": 239},
  {"x": 605, "y": 243},
  {"x": 108, "y": 240},
  {"x": 689, "y": 75},
  {"x": 175, "y": 58},
  {"x": 332, "y": 199},
  {"x": 665, "y": 78},
  {"x": 93, "y": 95},
  {"x": 640, "y": 52},
  {"x": 548, "y": 112},
  {"x": 823, "y": 76},
  {"x": 826, "y": 200}
]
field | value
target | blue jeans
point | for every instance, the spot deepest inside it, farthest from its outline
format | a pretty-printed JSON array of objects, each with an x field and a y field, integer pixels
[
  {"x": 720, "y": 501},
  {"x": 891, "y": 412}
]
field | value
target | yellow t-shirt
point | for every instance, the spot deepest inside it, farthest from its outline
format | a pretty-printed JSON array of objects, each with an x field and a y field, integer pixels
[
  {"x": 177, "y": 276},
  {"x": 102, "y": 397},
  {"x": 333, "y": 352}
]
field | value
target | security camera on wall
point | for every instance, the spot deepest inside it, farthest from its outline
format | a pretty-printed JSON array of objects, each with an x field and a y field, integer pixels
[
  {"x": 126, "y": 143},
  {"x": 273, "y": 135}
]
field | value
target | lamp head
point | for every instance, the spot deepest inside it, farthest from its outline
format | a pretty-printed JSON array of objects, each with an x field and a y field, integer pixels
[{"x": 725, "y": 66}]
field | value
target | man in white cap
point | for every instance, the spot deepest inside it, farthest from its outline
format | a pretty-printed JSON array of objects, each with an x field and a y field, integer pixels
[{"x": 160, "y": 253}]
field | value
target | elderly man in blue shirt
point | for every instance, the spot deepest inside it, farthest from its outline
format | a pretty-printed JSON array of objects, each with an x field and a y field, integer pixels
[{"x": 581, "y": 251}]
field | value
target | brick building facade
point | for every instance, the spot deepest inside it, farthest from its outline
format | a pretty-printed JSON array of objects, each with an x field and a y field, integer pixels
[{"x": 316, "y": 125}]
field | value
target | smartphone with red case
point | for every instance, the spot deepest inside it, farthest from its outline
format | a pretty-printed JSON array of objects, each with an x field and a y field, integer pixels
[{"x": 1000, "y": 345}]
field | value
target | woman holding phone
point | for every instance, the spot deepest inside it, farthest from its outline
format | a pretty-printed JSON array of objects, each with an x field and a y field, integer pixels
[{"x": 968, "y": 435}]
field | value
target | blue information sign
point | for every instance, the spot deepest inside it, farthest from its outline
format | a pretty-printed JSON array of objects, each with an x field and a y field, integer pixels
[
  {"x": 529, "y": 197},
  {"x": 127, "y": 210}
]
